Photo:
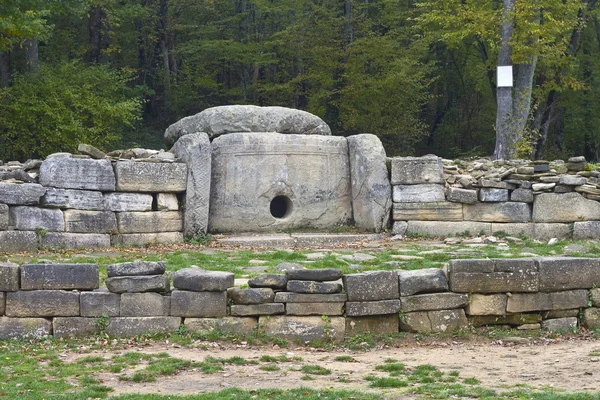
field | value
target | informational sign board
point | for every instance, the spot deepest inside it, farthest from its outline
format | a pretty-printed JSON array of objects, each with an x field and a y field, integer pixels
[{"x": 505, "y": 76}]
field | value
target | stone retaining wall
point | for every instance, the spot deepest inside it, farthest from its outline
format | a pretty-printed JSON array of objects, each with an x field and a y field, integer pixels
[{"x": 65, "y": 300}]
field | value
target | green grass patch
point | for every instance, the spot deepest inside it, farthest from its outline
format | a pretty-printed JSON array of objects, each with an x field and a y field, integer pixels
[
  {"x": 391, "y": 367},
  {"x": 315, "y": 370},
  {"x": 344, "y": 359},
  {"x": 388, "y": 383}
]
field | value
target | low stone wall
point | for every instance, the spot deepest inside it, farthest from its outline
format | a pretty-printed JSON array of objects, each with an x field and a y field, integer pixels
[{"x": 65, "y": 300}]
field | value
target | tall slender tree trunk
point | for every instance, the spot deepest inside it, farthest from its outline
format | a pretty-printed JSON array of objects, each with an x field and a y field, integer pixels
[
  {"x": 5, "y": 69},
  {"x": 32, "y": 56},
  {"x": 349, "y": 22},
  {"x": 98, "y": 35}
]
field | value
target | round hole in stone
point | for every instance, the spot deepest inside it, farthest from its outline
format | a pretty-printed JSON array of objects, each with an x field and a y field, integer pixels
[{"x": 281, "y": 207}]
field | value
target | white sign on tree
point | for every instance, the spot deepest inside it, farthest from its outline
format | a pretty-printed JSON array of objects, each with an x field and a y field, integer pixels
[{"x": 505, "y": 76}]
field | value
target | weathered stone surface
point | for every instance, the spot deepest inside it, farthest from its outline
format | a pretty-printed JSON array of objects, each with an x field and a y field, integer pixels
[
  {"x": 198, "y": 280},
  {"x": 149, "y": 222},
  {"x": 564, "y": 207},
  {"x": 195, "y": 151},
  {"x": 433, "y": 321},
  {"x": 237, "y": 326},
  {"x": 25, "y": 218},
  {"x": 465, "y": 196},
  {"x": 97, "y": 304},
  {"x": 127, "y": 202},
  {"x": 198, "y": 304},
  {"x": 374, "y": 324},
  {"x": 221, "y": 120},
  {"x": 586, "y": 230},
  {"x": 448, "y": 228},
  {"x": 2, "y": 303},
  {"x": 69, "y": 198},
  {"x": 399, "y": 227},
  {"x": 135, "y": 326},
  {"x": 591, "y": 318},
  {"x": 540, "y": 187},
  {"x": 167, "y": 202},
  {"x": 594, "y": 297},
  {"x": 15, "y": 241},
  {"x": 560, "y": 324},
  {"x": 493, "y": 276},
  {"x": 257, "y": 309},
  {"x": 572, "y": 180},
  {"x": 287, "y": 297},
  {"x": 144, "y": 305},
  {"x": 136, "y": 268},
  {"x": 64, "y": 240},
  {"x": 90, "y": 221},
  {"x": 24, "y": 328},
  {"x": 497, "y": 212},
  {"x": 417, "y": 170},
  {"x": 134, "y": 176},
  {"x": 273, "y": 281},
  {"x": 319, "y": 275},
  {"x": 314, "y": 308},
  {"x": 72, "y": 327},
  {"x": 492, "y": 304},
  {"x": 509, "y": 319},
  {"x": 4, "y": 217},
  {"x": 423, "y": 193},
  {"x": 59, "y": 276},
  {"x": 474, "y": 265},
  {"x": 78, "y": 173},
  {"x": 522, "y": 195},
  {"x": 91, "y": 151},
  {"x": 304, "y": 182},
  {"x": 540, "y": 231},
  {"x": 371, "y": 189},
  {"x": 313, "y": 287},
  {"x": 493, "y": 195},
  {"x": 436, "y": 211},
  {"x": 372, "y": 285},
  {"x": 250, "y": 296},
  {"x": 415, "y": 322},
  {"x": 143, "y": 239},
  {"x": 10, "y": 277},
  {"x": 21, "y": 193},
  {"x": 558, "y": 273},
  {"x": 434, "y": 301},
  {"x": 42, "y": 303},
  {"x": 523, "y": 302},
  {"x": 138, "y": 284},
  {"x": 304, "y": 328},
  {"x": 360, "y": 308},
  {"x": 497, "y": 184},
  {"x": 428, "y": 280}
]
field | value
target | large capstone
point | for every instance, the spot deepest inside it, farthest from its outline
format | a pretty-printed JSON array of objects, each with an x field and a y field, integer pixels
[
  {"x": 78, "y": 173},
  {"x": 150, "y": 177}
]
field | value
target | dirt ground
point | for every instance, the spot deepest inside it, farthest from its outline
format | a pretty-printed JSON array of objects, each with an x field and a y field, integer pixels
[{"x": 501, "y": 365}]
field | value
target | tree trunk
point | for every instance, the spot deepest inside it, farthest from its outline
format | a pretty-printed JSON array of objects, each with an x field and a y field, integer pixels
[
  {"x": 32, "y": 56},
  {"x": 544, "y": 127},
  {"x": 5, "y": 69},
  {"x": 349, "y": 23},
  {"x": 98, "y": 34}
]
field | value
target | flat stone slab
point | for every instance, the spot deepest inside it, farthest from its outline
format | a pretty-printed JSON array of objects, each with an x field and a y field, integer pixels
[
  {"x": 134, "y": 176},
  {"x": 272, "y": 281},
  {"x": 257, "y": 309},
  {"x": 360, "y": 308},
  {"x": 287, "y": 297},
  {"x": 136, "y": 268},
  {"x": 586, "y": 230},
  {"x": 371, "y": 286},
  {"x": 238, "y": 326},
  {"x": 434, "y": 301},
  {"x": 492, "y": 304},
  {"x": 595, "y": 297},
  {"x": 18, "y": 241},
  {"x": 71, "y": 198},
  {"x": 59, "y": 276},
  {"x": 25, "y": 218},
  {"x": 320, "y": 275},
  {"x": 303, "y": 240},
  {"x": 2, "y": 302},
  {"x": 564, "y": 207},
  {"x": 198, "y": 280},
  {"x": 448, "y": 228},
  {"x": 509, "y": 319},
  {"x": 424, "y": 193},
  {"x": 21, "y": 193},
  {"x": 428, "y": 280},
  {"x": 465, "y": 196},
  {"x": 144, "y": 305},
  {"x": 250, "y": 296},
  {"x": 10, "y": 277},
  {"x": 433, "y": 321},
  {"x": 313, "y": 287},
  {"x": 42, "y": 303},
  {"x": 434, "y": 211},
  {"x": 417, "y": 170},
  {"x": 372, "y": 324},
  {"x": 150, "y": 222},
  {"x": 127, "y": 202},
  {"x": 73, "y": 327},
  {"x": 525, "y": 302},
  {"x": 498, "y": 212},
  {"x": 24, "y": 328},
  {"x": 493, "y": 195},
  {"x": 73, "y": 241},
  {"x": 198, "y": 304},
  {"x": 303, "y": 328},
  {"x": 136, "y": 326},
  {"x": 591, "y": 318},
  {"x": 493, "y": 276},
  {"x": 144, "y": 239},
  {"x": 97, "y": 304},
  {"x": 314, "y": 308},
  {"x": 78, "y": 173},
  {"x": 138, "y": 284},
  {"x": 560, "y": 324},
  {"x": 561, "y": 273},
  {"x": 79, "y": 221}
]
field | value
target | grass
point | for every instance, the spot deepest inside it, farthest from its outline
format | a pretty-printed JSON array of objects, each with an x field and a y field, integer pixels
[
  {"x": 345, "y": 359},
  {"x": 315, "y": 370}
]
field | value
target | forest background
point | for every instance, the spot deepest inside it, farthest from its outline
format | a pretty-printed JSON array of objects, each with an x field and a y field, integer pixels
[{"x": 419, "y": 74}]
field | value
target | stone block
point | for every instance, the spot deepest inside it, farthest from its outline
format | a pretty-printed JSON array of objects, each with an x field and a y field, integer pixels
[
  {"x": 372, "y": 285},
  {"x": 433, "y": 321},
  {"x": 437, "y": 211},
  {"x": 473, "y": 265},
  {"x": 560, "y": 324},
  {"x": 304, "y": 328},
  {"x": 482, "y": 304},
  {"x": 360, "y": 308},
  {"x": 146, "y": 239},
  {"x": 497, "y": 212},
  {"x": 21, "y": 193},
  {"x": 560, "y": 273},
  {"x": 138, "y": 284},
  {"x": 560, "y": 314},
  {"x": 319, "y": 275},
  {"x": 15, "y": 241},
  {"x": 149, "y": 222},
  {"x": 428, "y": 280},
  {"x": 314, "y": 309},
  {"x": 434, "y": 301},
  {"x": 594, "y": 297},
  {"x": 73, "y": 327},
  {"x": 4, "y": 217},
  {"x": 69, "y": 198},
  {"x": 522, "y": 195},
  {"x": 127, "y": 202},
  {"x": 134, "y": 176},
  {"x": 2, "y": 303},
  {"x": 399, "y": 227},
  {"x": 24, "y": 328},
  {"x": 97, "y": 304},
  {"x": 523, "y": 302},
  {"x": 10, "y": 277},
  {"x": 273, "y": 281},
  {"x": 540, "y": 231},
  {"x": 167, "y": 202},
  {"x": 144, "y": 305},
  {"x": 591, "y": 318},
  {"x": 586, "y": 230},
  {"x": 373, "y": 324},
  {"x": 415, "y": 322},
  {"x": 506, "y": 275},
  {"x": 448, "y": 228},
  {"x": 371, "y": 189},
  {"x": 198, "y": 304},
  {"x": 313, "y": 287},
  {"x": 497, "y": 184},
  {"x": 424, "y": 193},
  {"x": 564, "y": 207},
  {"x": 78, "y": 173},
  {"x": 136, "y": 326},
  {"x": 417, "y": 170},
  {"x": 198, "y": 280},
  {"x": 237, "y": 326},
  {"x": 195, "y": 151},
  {"x": 572, "y": 180},
  {"x": 250, "y": 296},
  {"x": 42, "y": 303},
  {"x": 257, "y": 309},
  {"x": 25, "y": 218},
  {"x": 136, "y": 268},
  {"x": 78, "y": 221},
  {"x": 493, "y": 195},
  {"x": 287, "y": 297},
  {"x": 508, "y": 319},
  {"x": 64, "y": 240},
  {"x": 59, "y": 276},
  {"x": 465, "y": 196}
]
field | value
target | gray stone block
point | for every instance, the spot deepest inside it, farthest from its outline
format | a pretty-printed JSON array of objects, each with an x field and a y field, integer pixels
[
  {"x": 138, "y": 284},
  {"x": 97, "y": 304},
  {"x": 10, "y": 277},
  {"x": 69, "y": 198},
  {"x": 417, "y": 170},
  {"x": 448, "y": 228},
  {"x": 78, "y": 221},
  {"x": 2, "y": 303},
  {"x": 135, "y": 326},
  {"x": 434, "y": 301},
  {"x": 591, "y": 318},
  {"x": 42, "y": 303},
  {"x": 287, "y": 297},
  {"x": 237, "y": 326},
  {"x": 167, "y": 202},
  {"x": 25, "y": 218},
  {"x": 257, "y": 309},
  {"x": 144, "y": 305},
  {"x": 64, "y": 240},
  {"x": 59, "y": 276},
  {"x": 314, "y": 309},
  {"x": 73, "y": 327},
  {"x": 497, "y": 212},
  {"x": 522, "y": 195},
  {"x": 198, "y": 280},
  {"x": 360, "y": 308},
  {"x": 524, "y": 302},
  {"x": 127, "y": 202},
  {"x": 136, "y": 268},
  {"x": 372, "y": 285},
  {"x": 78, "y": 173},
  {"x": 15, "y": 241},
  {"x": 508, "y": 319},
  {"x": 558, "y": 273},
  {"x": 21, "y": 193},
  {"x": 198, "y": 304},
  {"x": 433, "y": 321},
  {"x": 492, "y": 304},
  {"x": 428, "y": 280},
  {"x": 565, "y": 207},
  {"x": 493, "y": 276},
  {"x": 572, "y": 180},
  {"x": 560, "y": 324},
  {"x": 595, "y": 297},
  {"x": 273, "y": 281},
  {"x": 373, "y": 324},
  {"x": 320, "y": 275},
  {"x": 493, "y": 195},
  {"x": 425, "y": 193},
  {"x": 586, "y": 230},
  {"x": 250, "y": 296},
  {"x": 149, "y": 222},
  {"x": 24, "y": 328},
  {"x": 304, "y": 328},
  {"x": 4, "y": 217},
  {"x": 474, "y": 265},
  {"x": 399, "y": 227},
  {"x": 313, "y": 287},
  {"x": 465, "y": 196},
  {"x": 560, "y": 314},
  {"x": 435, "y": 211},
  {"x": 150, "y": 177},
  {"x": 146, "y": 239}
]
